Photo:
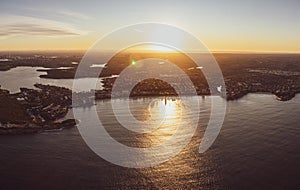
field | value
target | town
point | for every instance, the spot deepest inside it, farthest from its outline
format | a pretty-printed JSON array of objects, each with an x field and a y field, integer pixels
[
  {"x": 44, "y": 107},
  {"x": 34, "y": 110}
]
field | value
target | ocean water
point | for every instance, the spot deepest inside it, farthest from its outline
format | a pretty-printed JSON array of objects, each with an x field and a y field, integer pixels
[{"x": 257, "y": 148}]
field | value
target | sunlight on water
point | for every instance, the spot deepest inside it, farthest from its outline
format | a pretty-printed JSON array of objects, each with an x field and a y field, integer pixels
[
  {"x": 169, "y": 112},
  {"x": 239, "y": 155}
]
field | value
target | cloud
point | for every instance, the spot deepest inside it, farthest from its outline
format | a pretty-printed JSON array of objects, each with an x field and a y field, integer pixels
[
  {"x": 74, "y": 15},
  {"x": 57, "y": 14},
  {"x": 30, "y": 29},
  {"x": 23, "y": 25}
]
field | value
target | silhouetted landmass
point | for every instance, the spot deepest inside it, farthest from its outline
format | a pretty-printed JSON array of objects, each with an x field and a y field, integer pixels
[
  {"x": 278, "y": 74},
  {"x": 34, "y": 110}
]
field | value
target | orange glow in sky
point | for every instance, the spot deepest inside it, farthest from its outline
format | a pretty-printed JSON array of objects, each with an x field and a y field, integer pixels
[{"x": 257, "y": 26}]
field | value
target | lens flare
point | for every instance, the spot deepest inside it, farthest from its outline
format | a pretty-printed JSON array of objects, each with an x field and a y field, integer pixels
[{"x": 133, "y": 62}]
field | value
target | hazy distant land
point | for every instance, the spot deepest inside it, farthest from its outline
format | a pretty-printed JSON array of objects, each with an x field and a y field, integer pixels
[
  {"x": 42, "y": 108},
  {"x": 278, "y": 74}
]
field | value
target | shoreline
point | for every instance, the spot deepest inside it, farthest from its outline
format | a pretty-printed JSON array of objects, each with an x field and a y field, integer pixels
[
  {"x": 237, "y": 97},
  {"x": 14, "y": 129},
  {"x": 38, "y": 123},
  {"x": 19, "y": 129},
  {"x": 34, "y": 110},
  {"x": 43, "y": 105}
]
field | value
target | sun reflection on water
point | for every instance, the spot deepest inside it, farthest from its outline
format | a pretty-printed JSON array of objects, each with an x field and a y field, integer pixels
[{"x": 169, "y": 112}]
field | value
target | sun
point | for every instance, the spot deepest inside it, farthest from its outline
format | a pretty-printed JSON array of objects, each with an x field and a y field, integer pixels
[
  {"x": 159, "y": 48},
  {"x": 156, "y": 48}
]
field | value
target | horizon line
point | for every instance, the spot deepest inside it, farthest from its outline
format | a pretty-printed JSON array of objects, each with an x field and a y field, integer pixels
[{"x": 152, "y": 51}]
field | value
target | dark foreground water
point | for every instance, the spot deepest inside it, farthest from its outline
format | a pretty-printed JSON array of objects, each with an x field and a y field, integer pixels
[{"x": 258, "y": 148}]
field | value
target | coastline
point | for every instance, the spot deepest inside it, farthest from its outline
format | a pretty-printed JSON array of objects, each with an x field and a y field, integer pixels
[
  {"x": 15, "y": 129},
  {"x": 41, "y": 106},
  {"x": 30, "y": 126},
  {"x": 35, "y": 110}
]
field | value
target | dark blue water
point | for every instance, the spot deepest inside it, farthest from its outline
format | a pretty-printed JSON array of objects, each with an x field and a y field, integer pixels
[{"x": 258, "y": 148}]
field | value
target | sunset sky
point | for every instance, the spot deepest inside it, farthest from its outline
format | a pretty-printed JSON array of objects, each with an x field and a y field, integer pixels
[{"x": 233, "y": 25}]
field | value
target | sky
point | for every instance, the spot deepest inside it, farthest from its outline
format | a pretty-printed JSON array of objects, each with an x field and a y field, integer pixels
[{"x": 222, "y": 25}]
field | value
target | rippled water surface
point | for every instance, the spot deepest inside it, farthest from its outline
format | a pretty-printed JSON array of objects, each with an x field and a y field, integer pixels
[{"x": 258, "y": 148}]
